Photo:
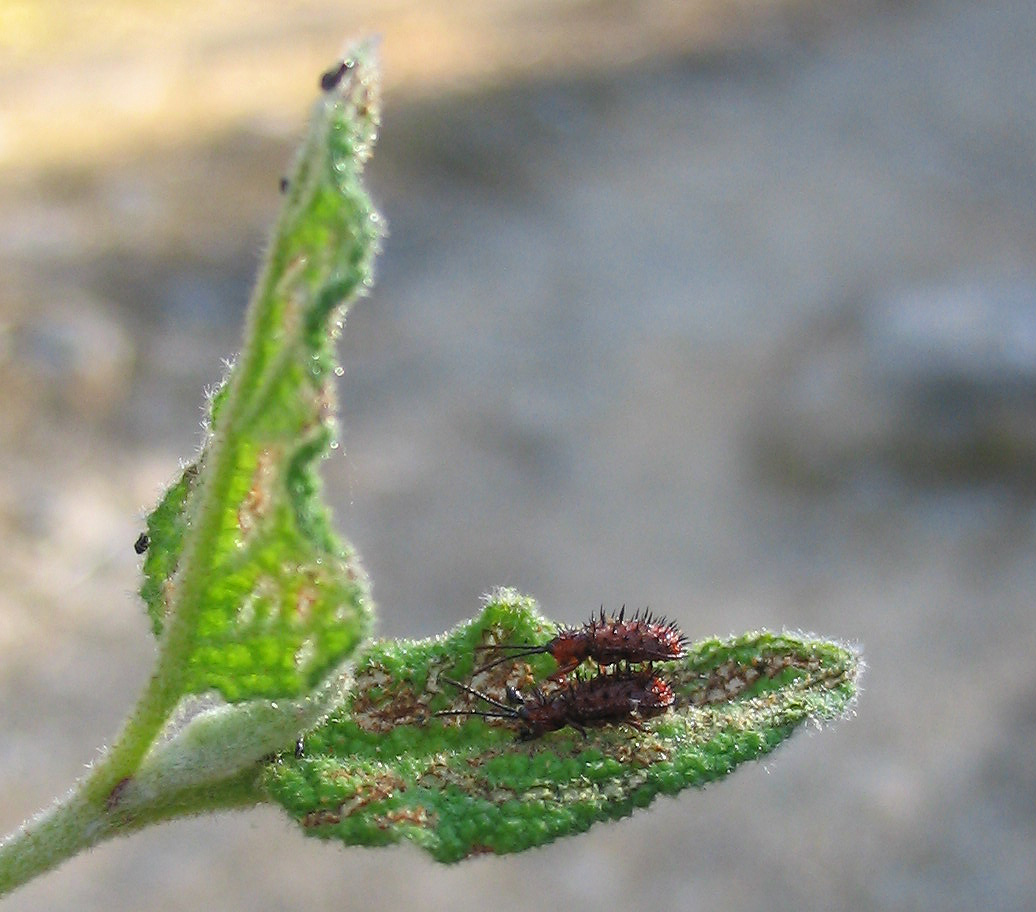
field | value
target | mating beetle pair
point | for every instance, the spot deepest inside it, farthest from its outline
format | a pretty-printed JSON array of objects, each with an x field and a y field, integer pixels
[{"x": 626, "y": 695}]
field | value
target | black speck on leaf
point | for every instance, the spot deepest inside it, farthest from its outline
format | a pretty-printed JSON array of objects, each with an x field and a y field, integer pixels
[{"x": 333, "y": 76}]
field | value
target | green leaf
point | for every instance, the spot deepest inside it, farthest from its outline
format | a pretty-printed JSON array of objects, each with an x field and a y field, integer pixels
[
  {"x": 265, "y": 600},
  {"x": 383, "y": 768}
]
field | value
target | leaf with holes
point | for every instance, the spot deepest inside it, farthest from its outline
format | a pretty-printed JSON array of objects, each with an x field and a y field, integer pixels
[
  {"x": 244, "y": 575},
  {"x": 384, "y": 767}
]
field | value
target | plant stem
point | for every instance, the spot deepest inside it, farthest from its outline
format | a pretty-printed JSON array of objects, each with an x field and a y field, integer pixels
[
  {"x": 79, "y": 821},
  {"x": 72, "y": 824}
]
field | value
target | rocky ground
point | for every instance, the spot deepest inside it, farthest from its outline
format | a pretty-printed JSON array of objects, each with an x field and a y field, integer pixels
[{"x": 731, "y": 314}]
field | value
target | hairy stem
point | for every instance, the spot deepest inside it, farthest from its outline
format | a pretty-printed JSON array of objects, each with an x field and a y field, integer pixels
[
  {"x": 79, "y": 821},
  {"x": 66, "y": 828}
]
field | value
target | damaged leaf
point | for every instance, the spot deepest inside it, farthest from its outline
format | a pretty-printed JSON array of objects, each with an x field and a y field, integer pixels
[{"x": 385, "y": 767}]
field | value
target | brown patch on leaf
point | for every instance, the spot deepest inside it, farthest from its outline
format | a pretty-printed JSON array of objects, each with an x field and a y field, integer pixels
[
  {"x": 256, "y": 504},
  {"x": 115, "y": 795},
  {"x": 168, "y": 591},
  {"x": 639, "y": 752},
  {"x": 381, "y": 787},
  {"x": 416, "y": 816},
  {"x": 307, "y": 595},
  {"x": 397, "y": 704},
  {"x": 728, "y": 681},
  {"x": 291, "y": 290}
]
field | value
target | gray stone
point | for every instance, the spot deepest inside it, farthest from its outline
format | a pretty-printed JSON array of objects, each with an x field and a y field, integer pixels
[{"x": 934, "y": 382}]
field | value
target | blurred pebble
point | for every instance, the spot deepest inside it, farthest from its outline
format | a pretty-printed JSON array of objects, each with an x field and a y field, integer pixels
[
  {"x": 77, "y": 350},
  {"x": 937, "y": 384}
]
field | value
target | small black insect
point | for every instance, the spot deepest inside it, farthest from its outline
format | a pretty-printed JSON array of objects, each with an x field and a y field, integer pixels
[
  {"x": 285, "y": 184},
  {"x": 333, "y": 76},
  {"x": 142, "y": 543},
  {"x": 606, "y": 699}
]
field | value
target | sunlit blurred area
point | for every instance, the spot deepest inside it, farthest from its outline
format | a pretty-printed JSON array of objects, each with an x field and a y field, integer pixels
[
  {"x": 725, "y": 308},
  {"x": 119, "y": 75}
]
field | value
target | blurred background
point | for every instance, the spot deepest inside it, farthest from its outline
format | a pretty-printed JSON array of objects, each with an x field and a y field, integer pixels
[{"x": 723, "y": 307}]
